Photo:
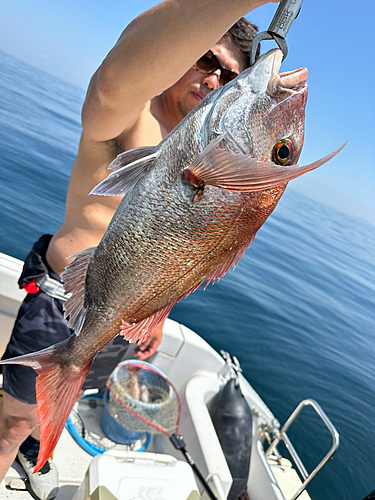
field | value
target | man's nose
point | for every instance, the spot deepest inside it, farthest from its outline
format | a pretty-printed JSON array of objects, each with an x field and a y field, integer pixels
[{"x": 212, "y": 81}]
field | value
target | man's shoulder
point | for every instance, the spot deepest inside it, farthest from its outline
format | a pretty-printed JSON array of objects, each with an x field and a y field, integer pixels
[{"x": 145, "y": 131}]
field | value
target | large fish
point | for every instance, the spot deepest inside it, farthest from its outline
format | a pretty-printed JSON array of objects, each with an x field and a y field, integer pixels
[{"x": 193, "y": 206}]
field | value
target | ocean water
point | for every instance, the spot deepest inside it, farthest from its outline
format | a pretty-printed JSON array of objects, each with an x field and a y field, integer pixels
[{"x": 298, "y": 311}]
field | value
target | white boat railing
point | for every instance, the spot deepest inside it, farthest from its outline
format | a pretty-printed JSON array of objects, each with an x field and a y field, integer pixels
[{"x": 281, "y": 435}]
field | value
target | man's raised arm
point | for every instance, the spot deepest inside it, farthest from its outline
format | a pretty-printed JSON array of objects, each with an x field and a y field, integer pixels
[{"x": 152, "y": 53}]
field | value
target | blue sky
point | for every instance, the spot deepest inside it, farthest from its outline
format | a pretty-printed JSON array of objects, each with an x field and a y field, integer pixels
[{"x": 332, "y": 38}]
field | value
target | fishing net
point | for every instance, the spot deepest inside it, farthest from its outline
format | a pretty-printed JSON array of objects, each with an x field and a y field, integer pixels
[
  {"x": 142, "y": 399},
  {"x": 84, "y": 424}
]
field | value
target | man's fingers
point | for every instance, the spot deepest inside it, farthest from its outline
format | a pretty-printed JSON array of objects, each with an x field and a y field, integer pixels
[
  {"x": 144, "y": 352},
  {"x": 148, "y": 347}
]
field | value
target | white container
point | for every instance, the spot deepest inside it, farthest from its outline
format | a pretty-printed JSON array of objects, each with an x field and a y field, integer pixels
[{"x": 138, "y": 476}]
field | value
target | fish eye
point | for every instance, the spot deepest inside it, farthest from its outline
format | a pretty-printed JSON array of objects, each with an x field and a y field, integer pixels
[{"x": 283, "y": 152}]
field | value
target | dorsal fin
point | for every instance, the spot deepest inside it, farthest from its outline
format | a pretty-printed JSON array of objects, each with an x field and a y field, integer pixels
[
  {"x": 74, "y": 278},
  {"x": 127, "y": 168},
  {"x": 140, "y": 331},
  {"x": 220, "y": 271}
]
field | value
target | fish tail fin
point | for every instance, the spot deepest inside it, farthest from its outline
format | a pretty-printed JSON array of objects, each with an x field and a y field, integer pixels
[{"x": 57, "y": 388}]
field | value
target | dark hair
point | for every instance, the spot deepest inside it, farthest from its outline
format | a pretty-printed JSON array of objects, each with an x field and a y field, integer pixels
[{"x": 243, "y": 33}]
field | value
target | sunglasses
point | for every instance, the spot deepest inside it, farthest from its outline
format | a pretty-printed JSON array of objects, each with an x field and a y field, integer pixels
[{"x": 209, "y": 63}]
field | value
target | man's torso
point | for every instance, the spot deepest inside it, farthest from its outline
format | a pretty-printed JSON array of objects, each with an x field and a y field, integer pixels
[{"x": 87, "y": 217}]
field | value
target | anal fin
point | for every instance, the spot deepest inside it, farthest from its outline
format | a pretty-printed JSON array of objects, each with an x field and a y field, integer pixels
[{"x": 74, "y": 278}]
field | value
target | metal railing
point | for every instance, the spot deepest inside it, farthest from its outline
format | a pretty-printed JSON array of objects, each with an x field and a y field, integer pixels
[{"x": 282, "y": 436}]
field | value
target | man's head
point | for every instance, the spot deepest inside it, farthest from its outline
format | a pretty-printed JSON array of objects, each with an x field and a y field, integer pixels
[
  {"x": 243, "y": 33},
  {"x": 230, "y": 53}
]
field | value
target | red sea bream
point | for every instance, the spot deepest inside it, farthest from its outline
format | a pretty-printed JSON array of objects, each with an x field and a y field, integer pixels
[{"x": 193, "y": 205}]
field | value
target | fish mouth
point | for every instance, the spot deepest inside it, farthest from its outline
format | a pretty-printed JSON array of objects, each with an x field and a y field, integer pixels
[{"x": 283, "y": 85}]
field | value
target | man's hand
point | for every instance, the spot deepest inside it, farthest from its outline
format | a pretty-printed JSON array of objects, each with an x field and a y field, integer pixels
[{"x": 148, "y": 348}]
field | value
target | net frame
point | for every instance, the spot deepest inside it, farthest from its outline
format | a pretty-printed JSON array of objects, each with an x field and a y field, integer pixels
[{"x": 148, "y": 367}]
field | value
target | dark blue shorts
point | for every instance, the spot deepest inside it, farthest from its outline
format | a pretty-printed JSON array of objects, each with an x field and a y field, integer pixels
[{"x": 39, "y": 324}]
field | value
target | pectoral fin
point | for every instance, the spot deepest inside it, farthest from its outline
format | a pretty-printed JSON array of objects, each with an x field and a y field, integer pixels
[
  {"x": 127, "y": 168},
  {"x": 237, "y": 172}
]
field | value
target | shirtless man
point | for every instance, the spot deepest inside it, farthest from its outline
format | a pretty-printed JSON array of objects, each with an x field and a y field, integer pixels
[{"x": 159, "y": 48}]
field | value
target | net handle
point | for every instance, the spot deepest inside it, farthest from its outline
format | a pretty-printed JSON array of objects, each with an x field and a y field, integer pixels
[{"x": 179, "y": 443}]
